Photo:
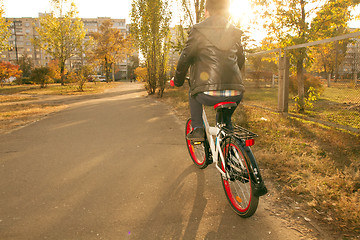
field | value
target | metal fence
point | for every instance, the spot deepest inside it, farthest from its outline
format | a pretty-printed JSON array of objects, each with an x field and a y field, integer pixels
[{"x": 339, "y": 102}]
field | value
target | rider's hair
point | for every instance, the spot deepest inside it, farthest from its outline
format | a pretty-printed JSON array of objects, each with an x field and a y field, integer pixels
[{"x": 218, "y": 7}]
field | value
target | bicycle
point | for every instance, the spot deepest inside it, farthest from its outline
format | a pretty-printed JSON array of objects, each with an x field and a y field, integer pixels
[{"x": 231, "y": 154}]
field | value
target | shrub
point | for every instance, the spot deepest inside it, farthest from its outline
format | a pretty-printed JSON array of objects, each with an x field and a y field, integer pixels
[
  {"x": 312, "y": 96},
  {"x": 71, "y": 77},
  {"x": 84, "y": 73},
  {"x": 309, "y": 82},
  {"x": 23, "y": 80},
  {"x": 41, "y": 75}
]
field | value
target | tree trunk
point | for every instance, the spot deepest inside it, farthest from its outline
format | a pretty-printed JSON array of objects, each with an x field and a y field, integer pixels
[
  {"x": 300, "y": 80},
  {"x": 113, "y": 71},
  {"x": 106, "y": 70},
  {"x": 62, "y": 72},
  {"x": 336, "y": 61},
  {"x": 153, "y": 68},
  {"x": 300, "y": 60},
  {"x": 197, "y": 11}
]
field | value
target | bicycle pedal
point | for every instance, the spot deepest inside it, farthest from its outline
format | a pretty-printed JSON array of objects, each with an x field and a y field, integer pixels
[{"x": 197, "y": 143}]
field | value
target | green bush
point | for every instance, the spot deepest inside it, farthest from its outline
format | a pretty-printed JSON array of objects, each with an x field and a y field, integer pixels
[
  {"x": 24, "y": 80},
  {"x": 41, "y": 75}
]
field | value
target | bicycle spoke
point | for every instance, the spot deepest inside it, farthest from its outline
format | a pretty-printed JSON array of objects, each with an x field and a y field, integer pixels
[
  {"x": 244, "y": 194},
  {"x": 238, "y": 187},
  {"x": 197, "y": 150}
]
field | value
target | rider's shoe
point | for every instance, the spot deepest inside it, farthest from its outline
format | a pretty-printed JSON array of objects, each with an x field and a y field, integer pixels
[{"x": 196, "y": 135}]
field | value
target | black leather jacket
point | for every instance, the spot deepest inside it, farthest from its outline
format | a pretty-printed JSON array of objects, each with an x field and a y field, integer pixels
[{"x": 215, "y": 54}]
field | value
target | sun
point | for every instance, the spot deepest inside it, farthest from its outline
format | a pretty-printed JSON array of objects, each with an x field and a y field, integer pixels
[
  {"x": 243, "y": 15},
  {"x": 240, "y": 10}
]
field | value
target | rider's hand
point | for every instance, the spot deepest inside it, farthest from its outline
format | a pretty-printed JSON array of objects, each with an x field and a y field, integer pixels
[{"x": 172, "y": 82}]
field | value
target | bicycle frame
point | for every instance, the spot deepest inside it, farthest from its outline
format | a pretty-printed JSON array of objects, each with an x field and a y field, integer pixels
[
  {"x": 215, "y": 146},
  {"x": 229, "y": 150}
]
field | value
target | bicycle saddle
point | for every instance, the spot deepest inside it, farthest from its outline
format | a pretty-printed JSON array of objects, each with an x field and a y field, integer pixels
[{"x": 225, "y": 105}]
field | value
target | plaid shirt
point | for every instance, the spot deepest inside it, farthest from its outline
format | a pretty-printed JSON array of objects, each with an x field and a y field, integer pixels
[{"x": 223, "y": 93}]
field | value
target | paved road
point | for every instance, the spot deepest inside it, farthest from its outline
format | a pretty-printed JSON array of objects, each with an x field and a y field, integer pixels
[{"x": 115, "y": 166}]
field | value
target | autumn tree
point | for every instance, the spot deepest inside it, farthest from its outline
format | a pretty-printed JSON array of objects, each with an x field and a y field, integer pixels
[
  {"x": 60, "y": 33},
  {"x": 326, "y": 58},
  {"x": 150, "y": 21},
  {"x": 8, "y": 70},
  {"x": 330, "y": 21},
  {"x": 192, "y": 12},
  {"x": 295, "y": 22},
  {"x": 26, "y": 65},
  {"x": 110, "y": 46},
  {"x": 55, "y": 69},
  {"x": 163, "y": 64},
  {"x": 133, "y": 63},
  {"x": 4, "y": 29}
]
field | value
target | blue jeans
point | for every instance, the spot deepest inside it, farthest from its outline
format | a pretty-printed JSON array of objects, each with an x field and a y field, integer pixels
[{"x": 197, "y": 101}]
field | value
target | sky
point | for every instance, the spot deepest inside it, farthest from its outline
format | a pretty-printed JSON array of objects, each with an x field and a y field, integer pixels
[
  {"x": 118, "y": 9},
  {"x": 91, "y": 8},
  {"x": 86, "y": 8}
]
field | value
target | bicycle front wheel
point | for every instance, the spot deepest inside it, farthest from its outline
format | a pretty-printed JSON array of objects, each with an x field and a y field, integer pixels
[
  {"x": 197, "y": 151},
  {"x": 239, "y": 187}
]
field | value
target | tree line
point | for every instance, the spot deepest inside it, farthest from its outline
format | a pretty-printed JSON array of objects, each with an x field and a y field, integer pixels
[
  {"x": 61, "y": 34},
  {"x": 287, "y": 23}
]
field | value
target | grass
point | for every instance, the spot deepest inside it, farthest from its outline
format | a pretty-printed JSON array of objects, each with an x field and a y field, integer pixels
[
  {"x": 340, "y": 104},
  {"x": 18, "y": 105},
  {"x": 56, "y": 89},
  {"x": 342, "y": 95},
  {"x": 14, "y": 116},
  {"x": 317, "y": 166},
  {"x": 267, "y": 97},
  {"x": 11, "y": 98}
]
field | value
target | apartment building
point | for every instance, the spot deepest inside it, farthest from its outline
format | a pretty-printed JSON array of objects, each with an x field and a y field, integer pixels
[
  {"x": 351, "y": 63},
  {"x": 23, "y": 30},
  {"x": 93, "y": 25}
]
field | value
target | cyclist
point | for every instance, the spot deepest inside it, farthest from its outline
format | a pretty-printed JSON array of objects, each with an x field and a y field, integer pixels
[{"x": 214, "y": 52}]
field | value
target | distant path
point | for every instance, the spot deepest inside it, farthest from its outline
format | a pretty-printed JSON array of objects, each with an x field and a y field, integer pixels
[{"x": 115, "y": 166}]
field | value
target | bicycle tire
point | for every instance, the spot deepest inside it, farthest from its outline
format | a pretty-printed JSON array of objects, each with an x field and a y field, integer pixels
[
  {"x": 239, "y": 189},
  {"x": 198, "y": 152}
]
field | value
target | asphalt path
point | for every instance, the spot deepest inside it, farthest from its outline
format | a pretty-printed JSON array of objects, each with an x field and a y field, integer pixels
[{"x": 115, "y": 166}]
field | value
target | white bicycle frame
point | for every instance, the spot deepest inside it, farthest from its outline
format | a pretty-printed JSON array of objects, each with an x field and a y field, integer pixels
[{"x": 215, "y": 147}]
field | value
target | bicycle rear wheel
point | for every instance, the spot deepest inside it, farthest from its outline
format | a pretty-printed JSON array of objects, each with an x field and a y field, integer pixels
[
  {"x": 239, "y": 189},
  {"x": 198, "y": 151}
]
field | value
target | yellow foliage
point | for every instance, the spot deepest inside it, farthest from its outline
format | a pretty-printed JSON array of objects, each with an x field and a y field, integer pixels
[{"x": 141, "y": 74}]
